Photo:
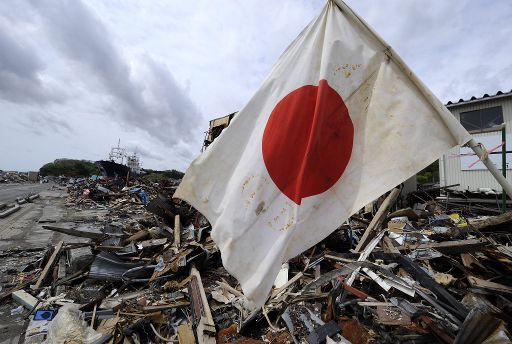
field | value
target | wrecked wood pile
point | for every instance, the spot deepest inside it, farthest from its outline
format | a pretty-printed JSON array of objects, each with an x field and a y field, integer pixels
[
  {"x": 13, "y": 177},
  {"x": 148, "y": 272}
]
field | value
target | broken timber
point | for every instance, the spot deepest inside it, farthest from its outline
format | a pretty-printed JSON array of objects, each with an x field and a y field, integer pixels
[
  {"x": 492, "y": 221},
  {"x": 376, "y": 223},
  {"x": 177, "y": 231},
  {"x": 203, "y": 320},
  {"x": 77, "y": 232},
  {"x": 49, "y": 264},
  {"x": 458, "y": 246}
]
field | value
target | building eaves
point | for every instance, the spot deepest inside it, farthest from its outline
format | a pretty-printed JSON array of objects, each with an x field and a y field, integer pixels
[{"x": 499, "y": 94}]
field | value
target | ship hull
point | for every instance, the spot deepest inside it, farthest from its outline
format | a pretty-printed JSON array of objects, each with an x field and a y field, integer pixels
[{"x": 112, "y": 169}]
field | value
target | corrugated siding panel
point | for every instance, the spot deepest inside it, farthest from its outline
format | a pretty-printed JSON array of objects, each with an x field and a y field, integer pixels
[{"x": 473, "y": 180}]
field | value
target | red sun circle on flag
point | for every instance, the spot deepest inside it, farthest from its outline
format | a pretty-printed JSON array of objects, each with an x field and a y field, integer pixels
[{"x": 307, "y": 141}]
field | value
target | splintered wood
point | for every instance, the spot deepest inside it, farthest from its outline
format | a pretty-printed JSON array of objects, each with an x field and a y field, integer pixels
[{"x": 203, "y": 320}]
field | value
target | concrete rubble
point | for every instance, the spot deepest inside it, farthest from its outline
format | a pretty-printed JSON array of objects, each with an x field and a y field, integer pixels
[{"x": 402, "y": 270}]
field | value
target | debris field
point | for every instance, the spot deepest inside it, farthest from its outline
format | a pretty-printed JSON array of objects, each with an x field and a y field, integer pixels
[{"x": 400, "y": 271}]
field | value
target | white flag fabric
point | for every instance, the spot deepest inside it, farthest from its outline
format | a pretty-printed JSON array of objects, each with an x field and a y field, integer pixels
[{"x": 339, "y": 121}]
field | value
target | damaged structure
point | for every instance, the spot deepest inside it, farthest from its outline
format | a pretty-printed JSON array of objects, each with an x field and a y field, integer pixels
[{"x": 147, "y": 271}]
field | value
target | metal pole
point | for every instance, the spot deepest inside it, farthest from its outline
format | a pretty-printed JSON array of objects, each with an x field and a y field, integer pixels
[
  {"x": 480, "y": 151},
  {"x": 504, "y": 165}
]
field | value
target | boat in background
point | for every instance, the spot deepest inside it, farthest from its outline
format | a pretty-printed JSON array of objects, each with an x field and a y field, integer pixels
[{"x": 120, "y": 163}]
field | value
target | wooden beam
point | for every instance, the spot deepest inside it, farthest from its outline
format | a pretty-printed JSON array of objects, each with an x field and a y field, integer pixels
[
  {"x": 8, "y": 293},
  {"x": 78, "y": 232},
  {"x": 388, "y": 246},
  {"x": 49, "y": 264},
  {"x": 491, "y": 221},
  {"x": 185, "y": 334},
  {"x": 205, "y": 325},
  {"x": 61, "y": 275},
  {"x": 177, "y": 231},
  {"x": 229, "y": 288},
  {"x": 287, "y": 284},
  {"x": 142, "y": 234},
  {"x": 483, "y": 284},
  {"x": 458, "y": 246},
  {"x": 178, "y": 304},
  {"x": 376, "y": 223}
]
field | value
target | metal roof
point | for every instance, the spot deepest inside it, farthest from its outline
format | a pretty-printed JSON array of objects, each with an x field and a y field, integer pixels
[{"x": 499, "y": 94}]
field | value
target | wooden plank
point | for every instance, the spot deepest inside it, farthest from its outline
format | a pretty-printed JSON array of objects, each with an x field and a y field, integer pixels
[
  {"x": 109, "y": 325},
  {"x": 49, "y": 264},
  {"x": 151, "y": 243},
  {"x": 93, "y": 315},
  {"x": 469, "y": 261},
  {"x": 178, "y": 304},
  {"x": 387, "y": 245},
  {"x": 483, "y": 284},
  {"x": 185, "y": 334},
  {"x": 288, "y": 284},
  {"x": 376, "y": 223},
  {"x": 492, "y": 221},
  {"x": 229, "y": 288},
  {"x": 8, "y": 293},
  {"x": 457, "y": 246},
  {"x": 177, "y": 231},
  {"x": 138, "y": 236},
  {"x": 61, "y": 275},
  {"x": 205, "y": 326},
  {"x": 82, "y": 233}
]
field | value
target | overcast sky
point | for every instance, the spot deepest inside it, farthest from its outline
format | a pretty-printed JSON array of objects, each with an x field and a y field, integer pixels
[{"x": 76, "y": 76}]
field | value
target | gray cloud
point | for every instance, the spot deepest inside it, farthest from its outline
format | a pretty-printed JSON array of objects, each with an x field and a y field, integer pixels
[
  {"x": 113, "y": 69},
  {"x": 144, "y": 152},
  {"x": 457, "y": 48},
  {"x": 20, "y": 72},
  {"x": 45, "y": 124},
  {"x": 155, "y": 103}
]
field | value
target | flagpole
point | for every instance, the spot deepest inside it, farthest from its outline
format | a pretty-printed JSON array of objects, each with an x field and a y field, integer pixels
[{"x": 480, "y": 151}]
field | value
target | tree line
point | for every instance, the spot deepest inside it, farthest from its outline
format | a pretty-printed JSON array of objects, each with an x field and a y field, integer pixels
[{"x": 69, "y": 168}]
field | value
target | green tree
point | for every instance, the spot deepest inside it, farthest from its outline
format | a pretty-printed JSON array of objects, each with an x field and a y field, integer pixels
[
  {"x": 429, "y": 174},
  {"x": 69, "y": 168},
  {"x": 156, "y": 176}
]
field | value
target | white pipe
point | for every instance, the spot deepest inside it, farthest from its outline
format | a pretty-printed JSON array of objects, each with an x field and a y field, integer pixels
[
  {"x": 442, "y": 172},
  {"x": 481, "y": 152}
]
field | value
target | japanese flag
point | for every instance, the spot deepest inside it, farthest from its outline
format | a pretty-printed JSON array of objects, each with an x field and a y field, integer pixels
[{"x": 339, "y": 121}]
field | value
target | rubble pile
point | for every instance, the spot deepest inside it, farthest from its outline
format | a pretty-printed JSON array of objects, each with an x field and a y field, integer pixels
[
  {"x": 13, "y": 177},
  {"x": 150, "y": 273}
]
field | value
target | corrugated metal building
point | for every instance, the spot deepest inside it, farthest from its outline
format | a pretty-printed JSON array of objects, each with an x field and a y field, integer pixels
[{"x": 482, "y": 117}]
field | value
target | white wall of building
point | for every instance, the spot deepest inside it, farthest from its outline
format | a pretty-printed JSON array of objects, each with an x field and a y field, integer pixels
[{"x": 450, "y": 165}]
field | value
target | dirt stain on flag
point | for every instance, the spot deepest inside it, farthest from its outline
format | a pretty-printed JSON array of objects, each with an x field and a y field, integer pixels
[
  {"x": 246, "y": 182},
  {"x": 260, "y": 208}
]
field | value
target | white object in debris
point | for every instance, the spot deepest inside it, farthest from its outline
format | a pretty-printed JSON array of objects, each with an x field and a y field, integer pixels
[
  {"x": 441, "y": 230},
  {"x": 222, "y": 295},
  {"x": 487, "y": 191},
  {"x": 37, "y": 331},
  {"x": 68, "y": 327},
  {"x": 400, "y": 219},
  {"x": 399, "y": 238},
  {"x": 282, "y": 276},
  {"x": 16, "y": 311},
  {"x": 25, "y": 299}
]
